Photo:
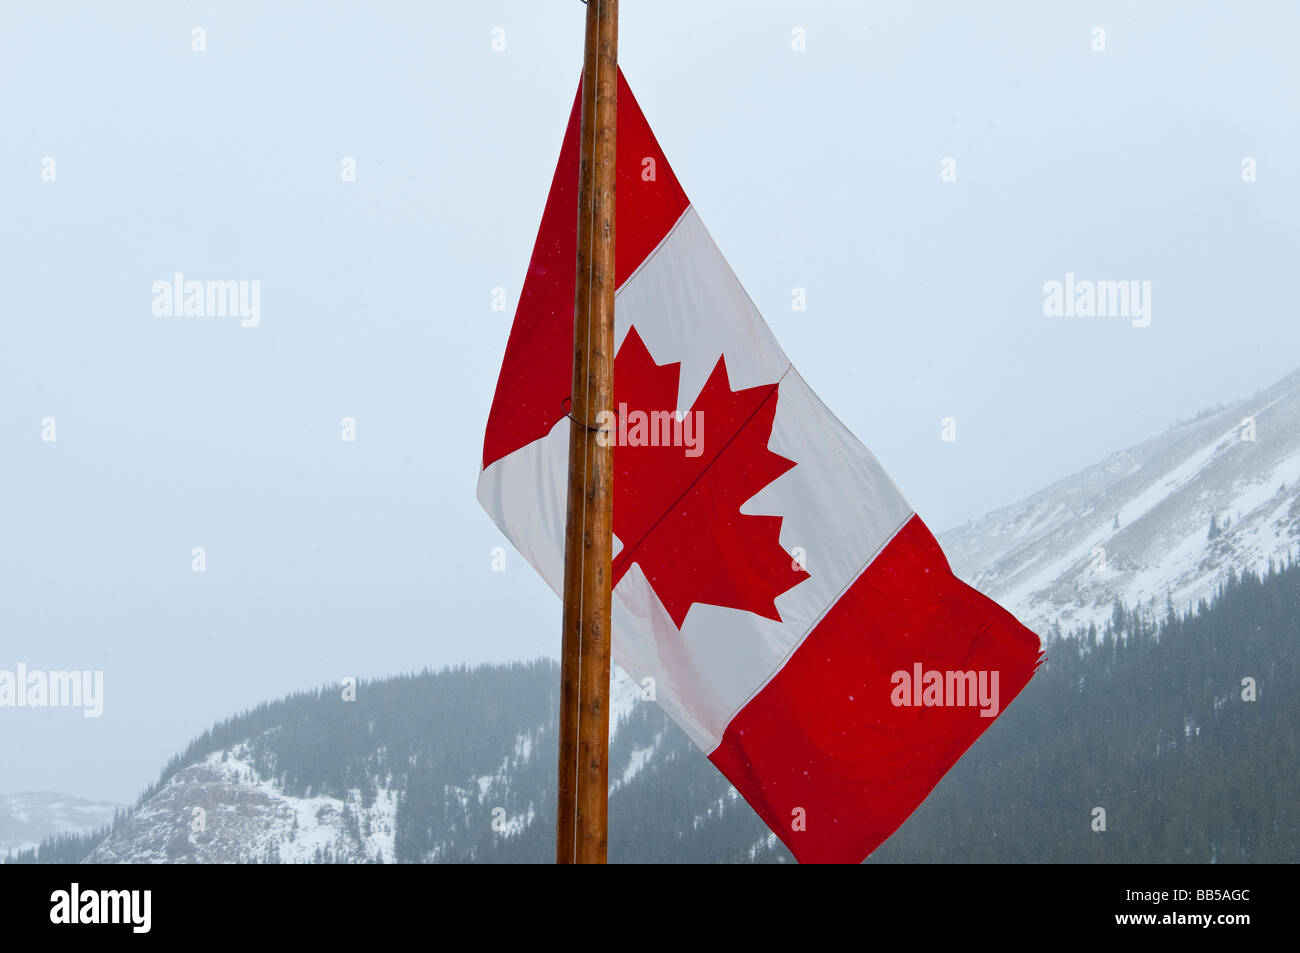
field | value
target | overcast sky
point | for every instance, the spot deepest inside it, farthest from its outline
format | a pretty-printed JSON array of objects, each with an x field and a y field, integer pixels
[{"x": 819, "y": 169}]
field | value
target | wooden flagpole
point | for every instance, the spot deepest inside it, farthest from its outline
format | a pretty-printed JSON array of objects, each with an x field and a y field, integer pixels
[{"x": 580, "y": 829}]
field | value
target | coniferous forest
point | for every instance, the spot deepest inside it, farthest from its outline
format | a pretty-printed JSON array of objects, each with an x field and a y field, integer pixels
[{"x": 1180, "y": 726}]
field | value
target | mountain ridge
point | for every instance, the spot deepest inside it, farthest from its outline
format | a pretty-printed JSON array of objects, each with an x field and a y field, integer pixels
[
  {"x": 29, "y": 817},
  {"x": 1115, "y": 563},
  {"x": 1161, "y": 520}
]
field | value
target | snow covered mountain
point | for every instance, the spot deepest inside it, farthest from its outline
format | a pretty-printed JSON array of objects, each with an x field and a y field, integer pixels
[
  {"x": 1164, "y": 519},
  {"x": 28, "y": 817},
  {"x": 459, "y": 765},
  {"x": 449, "y": 767},
  {"x": 223, "y": 811}
]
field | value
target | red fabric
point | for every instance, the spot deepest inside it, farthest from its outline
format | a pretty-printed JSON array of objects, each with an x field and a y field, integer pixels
[
  {"x": 824, "y": 735},
  {"x": 676, "y": 513},
  {"x": 537, "y": 371}
]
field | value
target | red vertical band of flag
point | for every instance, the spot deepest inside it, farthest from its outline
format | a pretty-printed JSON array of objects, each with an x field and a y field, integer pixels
[
  {"x": 537, "y": 371},
  {"x": 822, "y": 753}
]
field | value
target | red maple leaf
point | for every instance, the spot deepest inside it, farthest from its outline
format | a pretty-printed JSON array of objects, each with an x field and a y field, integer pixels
[{"x": 677, "y": 506}]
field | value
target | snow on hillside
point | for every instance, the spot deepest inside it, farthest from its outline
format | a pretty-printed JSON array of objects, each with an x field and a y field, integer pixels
[
  {"x": 624, "y": 696},
  {"x": 221, "y": 811},
  {"x": 1165, "y": 519}
]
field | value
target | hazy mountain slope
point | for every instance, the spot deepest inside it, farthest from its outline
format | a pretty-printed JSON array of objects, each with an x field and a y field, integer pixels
[
  {"x": 1145, "y": 720},
  {"x": 29, "y": 817},
  {"x": 1059, "y": 556},
  {"x": 455, "y": 766},
  {"x": 1183, "y": 729},
  {"x": 223, "y": 811}
]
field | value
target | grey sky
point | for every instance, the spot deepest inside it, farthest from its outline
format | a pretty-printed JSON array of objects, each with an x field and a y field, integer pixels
[{"x": 816, "y": 169}]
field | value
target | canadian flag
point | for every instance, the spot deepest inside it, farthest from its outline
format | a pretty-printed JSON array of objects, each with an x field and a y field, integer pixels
[{"x": 799, "y": 621}]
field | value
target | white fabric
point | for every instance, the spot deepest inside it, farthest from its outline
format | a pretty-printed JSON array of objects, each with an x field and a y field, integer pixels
[{"x": 837, "y": 503}]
